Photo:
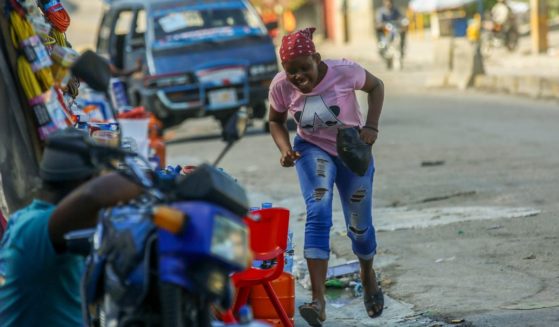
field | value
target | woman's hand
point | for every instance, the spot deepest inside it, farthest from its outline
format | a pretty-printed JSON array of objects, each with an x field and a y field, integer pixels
[
  {"x": 369, "y": 135},
  {"x": 288, "y": 158}
]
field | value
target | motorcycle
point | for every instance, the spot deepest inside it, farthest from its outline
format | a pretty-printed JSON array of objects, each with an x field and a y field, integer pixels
[
  {"x": 390, "y": 44},
  {"x": 165, "y": 258},
  {"x": 496, "y": 36}
]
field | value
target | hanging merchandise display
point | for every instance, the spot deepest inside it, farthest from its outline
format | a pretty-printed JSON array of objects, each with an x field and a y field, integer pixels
[
  {"x": 33, "y": 49},
  {"x": 56, "y": 14},
  {"x": 43, "y": 62},
  {"x": 62, "y": 58}
]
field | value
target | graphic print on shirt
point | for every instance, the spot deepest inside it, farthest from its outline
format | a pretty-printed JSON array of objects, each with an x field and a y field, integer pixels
[{"x": 316, "y": 114}]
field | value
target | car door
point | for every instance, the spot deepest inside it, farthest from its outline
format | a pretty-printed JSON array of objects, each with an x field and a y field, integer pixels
[
  {"x": 124, "y": 17},
  {"x": 104, "y": 33},
  {"x": 135, "y": 47}
]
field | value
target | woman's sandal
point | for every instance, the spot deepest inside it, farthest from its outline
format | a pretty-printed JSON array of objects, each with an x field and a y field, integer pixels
[
  {"x": 372, "y": 301},
  {"x": 311, "y": 313}
]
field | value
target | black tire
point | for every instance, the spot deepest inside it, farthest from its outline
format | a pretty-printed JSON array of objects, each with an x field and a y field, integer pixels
[
  {"x": 259, "y": 110},
  {"x": 173, "y": 305},
  {"x": 389, "y": 63},
  {"x": 512, "y": 40},
  {"x": 291, "y": 124},
  {"x": 224, "y": 117}
]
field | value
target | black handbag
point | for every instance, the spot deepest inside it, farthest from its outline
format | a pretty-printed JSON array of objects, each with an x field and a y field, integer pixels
[{"x": 353, "y": 152}]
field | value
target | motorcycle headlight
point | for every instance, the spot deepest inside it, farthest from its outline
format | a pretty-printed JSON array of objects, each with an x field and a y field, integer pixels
[
  {"x": 230, "y": 241},
  {"x": 257, "y": 70}
]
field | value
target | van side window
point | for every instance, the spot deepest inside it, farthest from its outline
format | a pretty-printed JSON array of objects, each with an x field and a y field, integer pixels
[
  {"x": 122, "y": 28},
  {"x": 104, "y": 35},
  {"x": 139, "y": 30}
]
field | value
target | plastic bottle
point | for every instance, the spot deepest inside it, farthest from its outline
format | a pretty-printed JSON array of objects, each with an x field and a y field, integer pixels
[
  {"x": 289, "y": 252},
  {"x": 158, "y": 147},
  {"x": 245, "y": 315},
  {"x": 256, "y": 263}
]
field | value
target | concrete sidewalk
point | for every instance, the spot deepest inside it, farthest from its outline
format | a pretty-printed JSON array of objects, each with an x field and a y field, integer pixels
[
  {"x": 518, "y": 73},
  {"x": 522, "y": 73}
]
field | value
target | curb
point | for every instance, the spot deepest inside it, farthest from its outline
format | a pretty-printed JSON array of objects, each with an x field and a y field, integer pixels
[{"x": 536, "y": 87}]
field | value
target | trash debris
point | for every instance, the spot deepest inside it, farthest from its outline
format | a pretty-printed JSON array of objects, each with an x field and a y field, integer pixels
[
  {"x": 300, "y": 269},
  {"x": 446, "y": 197},
  {"x": 495, "y": 227},
  {"x": 460, "y": 232},
  {"x": 341, "y": 233},
  {"x": 396, "y": 203},
  {"x": 305, "y": 282},
  {"x": 445, "y": 259},
  {"x": 251, "y": 169},
  {"x": 386, "y": 282},
  {"x": 348, "y": 268},
  {"x": 457, "y": 321},
  {"x": 432, "y": 163},
  {"x": 337, "y": 305},
  {"x": 336, "y": 283},
  {"x": 357, "y": 288},
  {"x": 530, "y": 257}
]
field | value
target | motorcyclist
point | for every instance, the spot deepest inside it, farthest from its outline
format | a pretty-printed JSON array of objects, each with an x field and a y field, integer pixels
[
  {"x": 39, "y": 281},
  {"x": 389, "y": 14},
  {"x": 502, "y": 16}
]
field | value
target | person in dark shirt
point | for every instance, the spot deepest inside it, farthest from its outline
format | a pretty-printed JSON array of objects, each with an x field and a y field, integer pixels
[
  {"x": 386, "y": 14},
  {"x": 39, "y": 279}
]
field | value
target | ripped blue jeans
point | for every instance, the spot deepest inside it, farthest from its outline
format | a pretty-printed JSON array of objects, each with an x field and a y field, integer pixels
[{"x": 318, "y": 171}]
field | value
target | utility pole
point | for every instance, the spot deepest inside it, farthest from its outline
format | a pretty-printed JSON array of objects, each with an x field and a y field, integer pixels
[
  {"x": 345, "y": 15},
  {"x": 539, "y": 27}
]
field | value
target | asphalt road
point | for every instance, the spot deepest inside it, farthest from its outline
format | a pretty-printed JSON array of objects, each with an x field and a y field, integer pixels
[{"x": 466, "y": 205}]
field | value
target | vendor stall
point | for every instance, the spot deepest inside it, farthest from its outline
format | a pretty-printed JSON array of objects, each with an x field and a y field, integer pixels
[{"x": 39, "y": 95}]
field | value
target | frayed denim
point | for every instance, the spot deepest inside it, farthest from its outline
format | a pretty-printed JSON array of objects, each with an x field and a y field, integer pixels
[{"x": 318, "y": 171}]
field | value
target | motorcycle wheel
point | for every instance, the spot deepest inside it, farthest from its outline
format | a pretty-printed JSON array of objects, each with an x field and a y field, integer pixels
[
  {"x": 512, "y": 40},
  {"x": 180, "y": 308},
  {"x": 486, "y": 44},
  {"x": 389, "y": 63},
  {"x": 397, "y": 63}
]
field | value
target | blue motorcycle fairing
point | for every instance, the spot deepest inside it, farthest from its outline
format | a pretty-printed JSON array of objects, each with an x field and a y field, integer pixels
[{"x": 119, "y": 265}]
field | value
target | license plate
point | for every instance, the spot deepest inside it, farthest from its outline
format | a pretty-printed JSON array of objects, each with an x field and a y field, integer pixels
[{"x": 223, "y": 97}]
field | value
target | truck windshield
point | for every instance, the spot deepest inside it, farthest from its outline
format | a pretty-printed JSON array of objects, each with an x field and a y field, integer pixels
[{"x": 192, "y": 25}]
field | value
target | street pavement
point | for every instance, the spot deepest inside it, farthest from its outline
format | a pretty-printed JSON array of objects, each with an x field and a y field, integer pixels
[
  {"x": 466, "y": 191},
  {"x": 480, "y": 172}
]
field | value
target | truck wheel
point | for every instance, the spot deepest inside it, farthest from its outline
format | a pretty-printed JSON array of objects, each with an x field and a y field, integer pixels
[
  {"x": 291, "y": 125},
  {"x": 259, "y": 110}
]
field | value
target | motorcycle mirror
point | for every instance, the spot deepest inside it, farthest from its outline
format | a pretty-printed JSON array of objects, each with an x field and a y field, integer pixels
[
  {"x": 94, "y": 70},
  {"x": 235, "y": 127}
]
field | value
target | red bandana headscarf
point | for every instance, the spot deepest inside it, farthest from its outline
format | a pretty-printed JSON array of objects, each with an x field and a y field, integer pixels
[{"x": 297, "y": 44}]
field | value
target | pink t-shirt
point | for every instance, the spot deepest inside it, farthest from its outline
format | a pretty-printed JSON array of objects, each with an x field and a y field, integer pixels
[{"x": 332, "y": 103}]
